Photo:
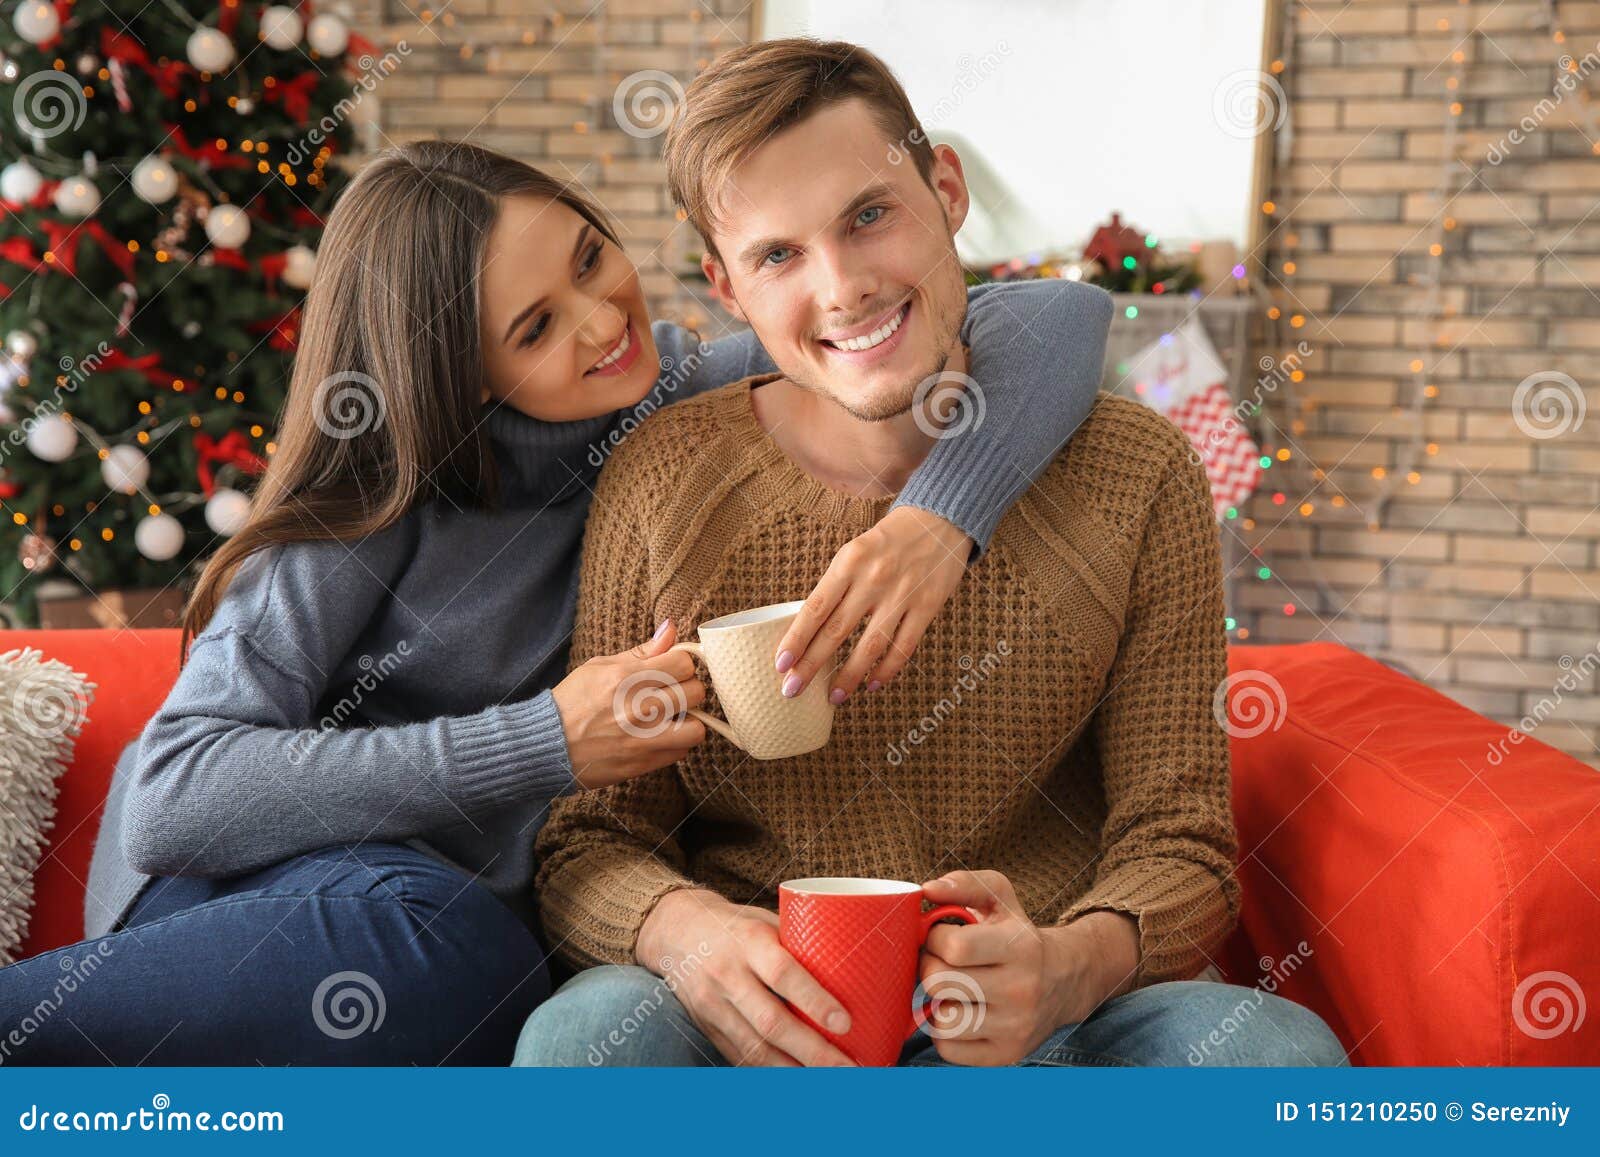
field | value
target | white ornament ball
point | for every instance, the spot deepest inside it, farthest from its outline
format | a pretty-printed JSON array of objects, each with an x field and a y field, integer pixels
[
  {"x": 300, "y": 267},
  {"x": 52, "y": 438},
  {"x": 36, "y": 21},
  {"x": 227, "y": 226},
  {"x": 155, "y": 180},
  {"x": 21, "y": 344},
  {"x": 77, "y": 197},
  {"x": 209, "y": 50},
  {"x": 227, "y": 510},
  {"x": 158, "y": 537},
  {"x": 125, "y": 469},
  {"x": 328, "y": 35},
  {"x": 244, "y": 106},
  {"x": 20, "y": 181},
  {"x": 281, "y": 27}
]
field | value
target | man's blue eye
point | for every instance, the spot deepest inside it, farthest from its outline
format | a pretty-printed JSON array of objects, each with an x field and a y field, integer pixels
[
  {"x": 875, "y": 209},
  {"x": 774, "y": 253}
]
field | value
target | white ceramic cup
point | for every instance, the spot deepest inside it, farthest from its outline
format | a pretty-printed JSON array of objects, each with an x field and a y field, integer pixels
[{"x": 738, "y": 651}]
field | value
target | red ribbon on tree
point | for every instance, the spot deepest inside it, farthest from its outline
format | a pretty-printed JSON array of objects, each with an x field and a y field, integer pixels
[
  {"x": 46, "y": 193},
  {"x": 208, "y": 155},
  {"x": 64, "y": 240},
  {"x": 149, "y": 365},
  {"x": 228, "y": 17},
  {"x": 232, "y": 449},
  {"x": 232, "y": 258},
  {"x": 285, "y": 329},
  {"x": 63, "y": 14},
  {"x": 20, "y": 251},
  {"x": 120, "y": 46},
  {"x": 295, "y": 96},
  {"x": 272, "y": 266}
]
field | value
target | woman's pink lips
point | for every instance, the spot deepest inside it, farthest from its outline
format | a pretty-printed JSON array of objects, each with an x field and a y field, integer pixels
[
  {"x": 878, "y": 352},
  {"x": 623, "y": 364}
]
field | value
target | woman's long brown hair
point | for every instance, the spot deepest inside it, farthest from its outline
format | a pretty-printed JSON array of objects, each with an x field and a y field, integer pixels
[{"x": 383, "y": 409}]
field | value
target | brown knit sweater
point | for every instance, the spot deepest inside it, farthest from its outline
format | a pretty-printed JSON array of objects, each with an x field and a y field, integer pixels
[{"x": 1054, "y": 724}]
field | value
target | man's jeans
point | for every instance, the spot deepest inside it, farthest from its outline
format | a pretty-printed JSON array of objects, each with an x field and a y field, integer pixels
[
  {"x": 627, "y": 1016},
  {"x": 360, "y": 954}
]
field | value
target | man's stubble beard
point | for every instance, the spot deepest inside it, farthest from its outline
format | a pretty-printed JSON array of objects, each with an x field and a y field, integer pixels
[{"x": 894, "y": 402}]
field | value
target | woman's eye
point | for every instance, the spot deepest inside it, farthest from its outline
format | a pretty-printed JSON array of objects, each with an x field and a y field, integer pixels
[
  {"x": 876, "y": 212},
  {"x": 781, "y": 253},
  {"x": 535, "y": 331},
  {"x": 592, "y": 258}
]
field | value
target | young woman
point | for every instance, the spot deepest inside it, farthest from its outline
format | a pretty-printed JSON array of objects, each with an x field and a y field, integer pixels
[{"x": 319, "y": 851}]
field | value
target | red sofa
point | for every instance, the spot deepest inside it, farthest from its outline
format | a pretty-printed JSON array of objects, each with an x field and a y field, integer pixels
[{"x": 1431, "y": 889}]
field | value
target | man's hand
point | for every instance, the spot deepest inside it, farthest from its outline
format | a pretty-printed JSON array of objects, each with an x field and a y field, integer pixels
[
  {"x": 898, "y": 577},
  {"x": 733, "y": 992},
  {"x": 1007, "y": 984}
]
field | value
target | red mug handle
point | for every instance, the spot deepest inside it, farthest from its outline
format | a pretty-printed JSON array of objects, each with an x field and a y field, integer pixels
[{"x": 929, "y": 918}]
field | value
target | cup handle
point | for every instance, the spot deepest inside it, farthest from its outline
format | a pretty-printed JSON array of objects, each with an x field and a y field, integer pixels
[
  {"x": 706, "y": 717},
  {"x": 929, "y": 918}
]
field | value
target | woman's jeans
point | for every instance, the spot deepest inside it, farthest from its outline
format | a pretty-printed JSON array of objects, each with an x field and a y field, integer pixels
[
  {"x": 363, "y": 954},
  {"x": 624, "y": 1015}
]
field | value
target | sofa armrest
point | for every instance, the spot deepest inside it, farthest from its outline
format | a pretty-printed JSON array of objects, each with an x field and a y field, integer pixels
[{"x": 1425, "y": 879}]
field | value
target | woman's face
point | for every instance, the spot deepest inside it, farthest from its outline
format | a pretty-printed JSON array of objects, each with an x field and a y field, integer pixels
[{"x": 564, "y": 327}]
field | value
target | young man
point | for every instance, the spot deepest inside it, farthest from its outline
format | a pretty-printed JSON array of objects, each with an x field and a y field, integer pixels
[{"x": 1076, "y": 798}]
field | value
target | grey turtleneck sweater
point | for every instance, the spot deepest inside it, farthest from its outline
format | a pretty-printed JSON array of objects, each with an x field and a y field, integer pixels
[{"x": 397, "y": 688}]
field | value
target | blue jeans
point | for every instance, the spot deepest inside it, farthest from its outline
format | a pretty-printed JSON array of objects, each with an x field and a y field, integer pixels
[
  {"x": 356, "y": 954},
  {"x": 627, "y": 1016}
]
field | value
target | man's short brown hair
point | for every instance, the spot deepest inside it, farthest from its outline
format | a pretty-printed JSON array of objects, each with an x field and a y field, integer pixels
[{"x": 753, "y": 91}]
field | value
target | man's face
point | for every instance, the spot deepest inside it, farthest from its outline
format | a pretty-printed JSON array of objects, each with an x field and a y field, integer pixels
[{"x": 843, "y": 263}]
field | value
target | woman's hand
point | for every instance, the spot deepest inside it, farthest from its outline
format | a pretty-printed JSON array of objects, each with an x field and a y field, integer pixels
[
  {"x": 897, "y": 576},
  {"x": 621, "y": 712}
]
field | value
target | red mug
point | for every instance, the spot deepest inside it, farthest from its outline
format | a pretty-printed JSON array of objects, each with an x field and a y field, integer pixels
[{"x": 860, "y": 939}]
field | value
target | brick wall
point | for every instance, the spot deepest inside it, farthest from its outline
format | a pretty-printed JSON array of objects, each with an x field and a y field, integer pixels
[
  {"x": 1481, "y": 575},
  {"x": 536, "y": 79}
]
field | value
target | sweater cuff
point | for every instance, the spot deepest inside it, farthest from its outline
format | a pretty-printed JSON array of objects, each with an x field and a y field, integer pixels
[
  {"x": 1182, "y": 910},
  {"x": 509, "y": 753},
  {"x": 601, "y": 900}
]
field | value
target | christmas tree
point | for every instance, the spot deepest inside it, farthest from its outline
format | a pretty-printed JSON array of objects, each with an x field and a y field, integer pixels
[{"x": 165, "y": 168}]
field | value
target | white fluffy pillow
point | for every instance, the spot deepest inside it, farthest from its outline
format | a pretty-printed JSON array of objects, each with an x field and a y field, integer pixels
[{"x": 43, "y": 704}]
